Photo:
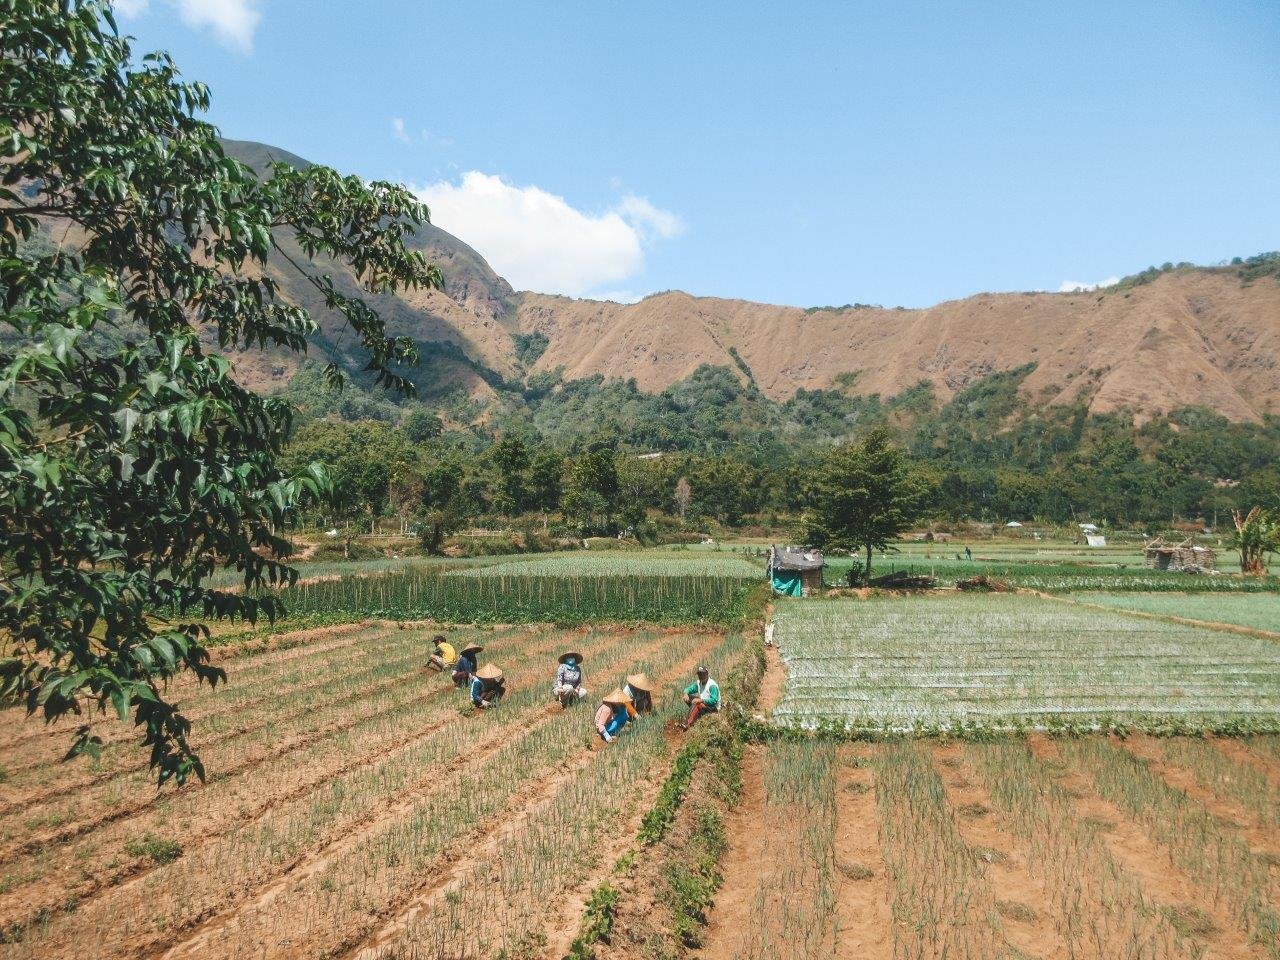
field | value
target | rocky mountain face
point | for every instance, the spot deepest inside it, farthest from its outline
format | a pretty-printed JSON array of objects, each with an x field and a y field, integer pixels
[{"x": 1189, "y": 336}]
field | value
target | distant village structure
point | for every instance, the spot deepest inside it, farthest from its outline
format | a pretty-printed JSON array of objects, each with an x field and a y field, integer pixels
[
  {"x": 1185, "y": 557},
  {"x": 795, "y": 571}
]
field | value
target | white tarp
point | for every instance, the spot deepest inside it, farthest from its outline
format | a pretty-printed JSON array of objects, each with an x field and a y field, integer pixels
[{"x": 1096, "y": 540}]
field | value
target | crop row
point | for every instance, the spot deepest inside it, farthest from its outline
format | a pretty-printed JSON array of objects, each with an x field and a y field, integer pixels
[
  {"x": 497, "y": 598},
  {"x": 1015, "y": 662}
]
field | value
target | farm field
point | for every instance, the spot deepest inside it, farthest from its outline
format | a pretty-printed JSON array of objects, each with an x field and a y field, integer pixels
[
  {"x": 1259, "y": 611},
  {"x": 1092, "y": 848},
  {"x": 1002, "y": 661},
  {"x": 353, "y": 802},
  {"x": 622, "y": 563}
]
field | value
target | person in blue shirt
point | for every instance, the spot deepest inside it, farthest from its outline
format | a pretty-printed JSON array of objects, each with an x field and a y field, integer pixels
[
  {"x": 466, "y": 665},
  {"x": 487, "y": 687},
  {"x": 615, "y": 710}
]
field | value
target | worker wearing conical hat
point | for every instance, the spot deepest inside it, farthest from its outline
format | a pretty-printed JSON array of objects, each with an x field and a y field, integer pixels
[
  {"x": 615, "y": 710},
  {"x": 487, "y": 687},
  {"x": 640, "y": 690},
  {"x": 466, "y": 665},
  {"x": 568, "y": 686}
]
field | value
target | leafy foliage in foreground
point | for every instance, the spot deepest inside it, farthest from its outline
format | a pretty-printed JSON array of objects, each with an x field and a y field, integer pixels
[{"x": 131, "y": 463}]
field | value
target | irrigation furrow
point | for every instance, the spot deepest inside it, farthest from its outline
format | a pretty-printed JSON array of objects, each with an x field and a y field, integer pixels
[
  {"x": 1172, "y": 882},
  {"x": 484, "y": 843},
  {"x": 28, "y": 731},
  {"x": 216, "y": 926},
  {"x": 1012, "y": 883},
  {"x": 258, "y": 804},
  {"x": 123, "y": 752}
]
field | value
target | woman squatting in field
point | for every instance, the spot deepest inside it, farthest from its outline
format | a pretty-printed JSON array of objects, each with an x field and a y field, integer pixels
[
  {"x": 568, "y": 688},
  {"x": 614, "y": 712},
  {"x": 640, "y": 690},
  {"x": 487, "y": 687}
]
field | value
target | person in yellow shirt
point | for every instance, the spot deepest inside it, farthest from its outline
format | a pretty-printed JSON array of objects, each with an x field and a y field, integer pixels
[{"x": 444, "y": 656}]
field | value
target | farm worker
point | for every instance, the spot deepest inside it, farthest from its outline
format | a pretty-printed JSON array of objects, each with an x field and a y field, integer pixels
[
  {"x": 466, "y": 665},
  {"x": 968, "y": 554},
  {"x": 568, "y": 687},
  {"x": 444, "y": 656},
  {"x": 487, "y": 687},
  {"x": 615, "y": 710},
  {"x": 640, "y": 690},
  {"x": 702, "y": 696}
]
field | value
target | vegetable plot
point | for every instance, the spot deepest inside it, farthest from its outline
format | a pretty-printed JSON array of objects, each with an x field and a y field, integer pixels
[{"x": 1002, "y": 662}]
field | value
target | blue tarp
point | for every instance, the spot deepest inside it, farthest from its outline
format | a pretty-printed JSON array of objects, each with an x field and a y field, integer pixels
[{"x": 788, "y": 583}]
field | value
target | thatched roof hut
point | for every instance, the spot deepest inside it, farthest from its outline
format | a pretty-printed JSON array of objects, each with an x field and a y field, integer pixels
[{"x": 1185, "y": 557}]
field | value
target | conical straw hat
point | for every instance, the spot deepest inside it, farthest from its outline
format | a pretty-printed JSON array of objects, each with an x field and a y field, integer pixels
[
  {"x": 640, "y": 681},
  {"x": 571, "y": 653},
  {"x": 617, "y": 698},
  {"x": 489, "y": 672},
  {"x": 472, "y": 648}
]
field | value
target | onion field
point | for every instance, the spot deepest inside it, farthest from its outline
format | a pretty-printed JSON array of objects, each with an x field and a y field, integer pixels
[
  {"x": 1077, "y": 849},
  {"x": 1011, "y": 662},
  {"x": 354, "y": 801}
]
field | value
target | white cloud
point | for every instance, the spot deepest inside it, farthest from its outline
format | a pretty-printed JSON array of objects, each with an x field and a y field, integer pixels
[
  {"x": 130, "y": 8},
  {"x": 234, "y": 21},
  {"x": 539, "y": 241},
  {"x": 647, "y": 217},
  {"x": 397, "y": 128},
  {"x": 1076, "y": 286}
]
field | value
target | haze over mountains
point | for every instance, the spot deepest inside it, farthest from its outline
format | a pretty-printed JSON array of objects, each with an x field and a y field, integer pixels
[{"x": 1189, "y": 336}]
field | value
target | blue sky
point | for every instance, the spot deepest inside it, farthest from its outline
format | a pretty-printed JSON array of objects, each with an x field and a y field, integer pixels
[{"x": 803, "y": 153}]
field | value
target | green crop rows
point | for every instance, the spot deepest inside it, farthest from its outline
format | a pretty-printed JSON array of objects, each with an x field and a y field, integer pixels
[
  {"x": 617, "y": 563},
  {"x": 1261, "y": 611},
  {"x": 421, "y": 593},
  {"x": 1001, "y": 662}
]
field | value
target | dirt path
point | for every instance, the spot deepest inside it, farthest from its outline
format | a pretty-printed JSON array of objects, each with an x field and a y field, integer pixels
[
  {"x": 1020, "y": 896},
  {"x": 1136, "y": 853},
  {"x": 865, "y": 917},
  {"x": 734, "y": 909},
  {"x": 774, "y": 682}
]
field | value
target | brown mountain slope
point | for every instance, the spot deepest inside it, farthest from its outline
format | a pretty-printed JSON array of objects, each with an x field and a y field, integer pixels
[{"x": 1189, "y": 337}]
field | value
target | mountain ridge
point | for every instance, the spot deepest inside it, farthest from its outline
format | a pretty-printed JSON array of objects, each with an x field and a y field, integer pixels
[{"x": 1201, "y": 336}]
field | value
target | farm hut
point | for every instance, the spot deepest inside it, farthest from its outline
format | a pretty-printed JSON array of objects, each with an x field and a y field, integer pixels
[
  {"x": 1185, "y": 557},
  {"x": 795, "y": 571}
]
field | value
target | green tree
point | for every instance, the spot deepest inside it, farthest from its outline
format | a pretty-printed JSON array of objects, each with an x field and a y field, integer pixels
[
  {"x": 546, "y": 472},
  {"x": 131, "y": 462},
  {"x": 444, "y": 504},
  {"x": 510, "y": 456},
  {"x": 863, "y": 497},
  {"x": 591, "y": 491}
]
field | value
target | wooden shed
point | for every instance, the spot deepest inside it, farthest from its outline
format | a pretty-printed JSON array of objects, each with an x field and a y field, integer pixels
[{"x": 795, "y": 571}]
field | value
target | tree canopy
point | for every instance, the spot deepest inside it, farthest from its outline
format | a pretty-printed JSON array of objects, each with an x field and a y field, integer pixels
[
  {"x": 862, "y": 497},
  {"x": 132, "y": 260}
]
